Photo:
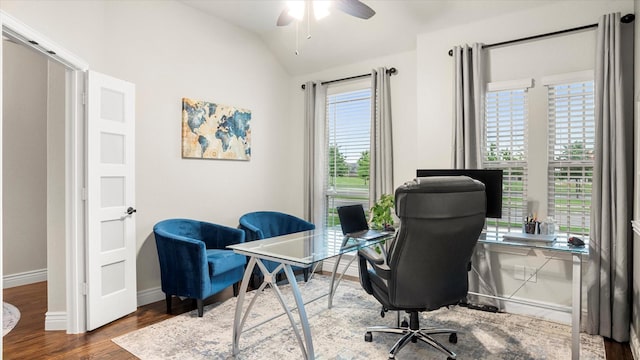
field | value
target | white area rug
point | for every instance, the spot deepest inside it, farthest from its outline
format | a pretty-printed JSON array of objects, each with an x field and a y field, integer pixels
[
  {"x": 338, "y": 333},
  {"x": 10, "y": 317}
]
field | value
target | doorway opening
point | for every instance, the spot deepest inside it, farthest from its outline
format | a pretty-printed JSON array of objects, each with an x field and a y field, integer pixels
[{"x": 58, "y": 147}]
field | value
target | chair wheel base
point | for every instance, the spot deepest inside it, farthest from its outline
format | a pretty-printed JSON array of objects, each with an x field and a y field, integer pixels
[
  {"x": 368, "y": 337},
  {"x": 453, "y": 338}
]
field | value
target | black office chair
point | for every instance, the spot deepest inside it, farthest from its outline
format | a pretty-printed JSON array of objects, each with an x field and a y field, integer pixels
[{"x": 426, "y": 268}]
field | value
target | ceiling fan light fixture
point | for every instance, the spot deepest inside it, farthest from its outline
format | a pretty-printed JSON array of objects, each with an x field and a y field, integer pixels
[
  {"x": 321, "y": 9},
  {"x": 296, "y": 9}
]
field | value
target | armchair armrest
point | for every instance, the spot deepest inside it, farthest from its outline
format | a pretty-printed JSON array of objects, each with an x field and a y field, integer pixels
[
  {"x": 183, "y": 264},
  {"x": 252, "y": 231}
]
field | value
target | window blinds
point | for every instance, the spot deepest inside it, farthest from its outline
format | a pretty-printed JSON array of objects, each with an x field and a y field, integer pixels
[
  {"x": 505, "y": 144},
  {"x": 571, "y": 155},
  {"x": 348, "y": 116}
]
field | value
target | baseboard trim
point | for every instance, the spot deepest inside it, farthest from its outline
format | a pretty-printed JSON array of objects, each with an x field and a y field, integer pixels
[
  {"x": 24, "y": 278},
  {"x": 55, "y": 320},
  {"x": 327, "y": 266},
  {"x": 634, "y": 343},
  {"x": 557, "y": 316},
  {"x": 149, "y": 296}
]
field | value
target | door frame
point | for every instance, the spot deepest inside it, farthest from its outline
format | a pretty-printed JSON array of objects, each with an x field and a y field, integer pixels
[{"x": 75, "y": 169}]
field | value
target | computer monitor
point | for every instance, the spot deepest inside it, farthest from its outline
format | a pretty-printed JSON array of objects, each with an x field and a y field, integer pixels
[{"x": 491, "y": 178}]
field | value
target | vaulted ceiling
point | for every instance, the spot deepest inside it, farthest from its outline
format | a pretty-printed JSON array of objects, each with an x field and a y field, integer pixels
[{"x": 342, "y": 39}]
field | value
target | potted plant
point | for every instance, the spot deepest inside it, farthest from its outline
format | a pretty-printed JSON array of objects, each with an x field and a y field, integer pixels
[{"x": 381, "y": 215}]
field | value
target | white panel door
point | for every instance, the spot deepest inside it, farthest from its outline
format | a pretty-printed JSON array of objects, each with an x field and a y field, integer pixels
[{"x": 111, "y": 242}]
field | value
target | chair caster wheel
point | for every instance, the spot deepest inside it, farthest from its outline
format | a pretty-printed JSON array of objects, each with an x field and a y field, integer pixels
[
  {"x": 453, "y": 338},
  {"x": 381, "y": 313},
  {"x": 404, "y": 324},
  {"x": 414, "y": 339},
  {"x": 450, "y": 358},
  {"x": 368, "y": 337}
]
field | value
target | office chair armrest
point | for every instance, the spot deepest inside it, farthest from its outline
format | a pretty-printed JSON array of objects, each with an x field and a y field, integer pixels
[
  {"x": 371, "y": 255},
  {"x": 382, "y": 270},
  {"x": 377, "y": 262}
]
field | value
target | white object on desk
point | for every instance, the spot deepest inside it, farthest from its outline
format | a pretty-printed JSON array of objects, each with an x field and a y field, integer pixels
[{"x": 529, "y": 237}]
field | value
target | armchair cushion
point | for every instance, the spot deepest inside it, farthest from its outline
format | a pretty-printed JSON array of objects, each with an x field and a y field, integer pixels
[{"x": 221, "y": 261}]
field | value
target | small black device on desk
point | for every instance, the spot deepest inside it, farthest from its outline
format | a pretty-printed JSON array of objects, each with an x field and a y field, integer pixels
[
  {"x": 354, "y": 223},
  {"x": 575, "y": 241}
]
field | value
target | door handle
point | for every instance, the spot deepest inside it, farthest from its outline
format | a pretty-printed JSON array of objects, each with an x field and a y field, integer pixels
[{"x": 130, "y": 210}]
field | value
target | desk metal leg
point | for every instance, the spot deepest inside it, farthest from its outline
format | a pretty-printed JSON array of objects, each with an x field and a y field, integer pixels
[
  {"x": 333, "y": 285},
  {"x": 304, "y": 321},
  {"x": 269, "y": 278},
  {"x": 237, "y": 323},
  {"x": 333, "y": 278},
  {"x": 576, "y": 307}
]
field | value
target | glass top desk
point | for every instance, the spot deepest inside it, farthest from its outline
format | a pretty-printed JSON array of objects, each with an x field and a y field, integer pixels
[
  {"x": 303, "y": 249},
  {"x": 558, "y": 249}
]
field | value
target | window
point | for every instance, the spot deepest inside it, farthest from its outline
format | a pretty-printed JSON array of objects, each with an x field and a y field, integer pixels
[
  {"x": 348, "y": 117},
  {"x": 548, "y": 167},
  {"x": 504, "y": 147},
  {"x": 571, "y": 155}
]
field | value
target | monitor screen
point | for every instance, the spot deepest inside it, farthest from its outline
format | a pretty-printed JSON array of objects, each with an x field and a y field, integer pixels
[{"x": 491, "y": 178}]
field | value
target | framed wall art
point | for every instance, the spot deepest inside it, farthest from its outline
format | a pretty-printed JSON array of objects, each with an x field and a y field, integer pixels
[{"x": 215, "y": 131}]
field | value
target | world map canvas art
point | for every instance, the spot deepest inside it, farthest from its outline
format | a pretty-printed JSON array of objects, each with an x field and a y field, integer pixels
[{"x": 214, "y": 131}]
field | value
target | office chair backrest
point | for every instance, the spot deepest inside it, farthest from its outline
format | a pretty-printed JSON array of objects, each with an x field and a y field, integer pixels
[{"x": 441, "y": 219}]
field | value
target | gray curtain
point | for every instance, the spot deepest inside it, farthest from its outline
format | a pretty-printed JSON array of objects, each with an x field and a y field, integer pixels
[
  {"x": 609, "y": 293},
  {"x": 381, "y": 156},
  {"x": 468, "y": 100},
  {"x": 314, "y": 151},
  {"x": 467, "y": 139}
]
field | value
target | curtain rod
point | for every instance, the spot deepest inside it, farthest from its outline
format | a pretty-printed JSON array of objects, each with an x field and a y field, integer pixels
[
  {"x": 390, "y": 71},
  {"x": 625, "y": 19}
]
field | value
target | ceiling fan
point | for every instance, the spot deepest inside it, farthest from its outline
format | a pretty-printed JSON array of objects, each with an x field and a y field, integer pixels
[{"x": 296, "y": 10}]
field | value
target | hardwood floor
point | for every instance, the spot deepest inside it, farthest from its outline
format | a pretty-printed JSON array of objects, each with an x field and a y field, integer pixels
[{"x": 28, "y": 340}]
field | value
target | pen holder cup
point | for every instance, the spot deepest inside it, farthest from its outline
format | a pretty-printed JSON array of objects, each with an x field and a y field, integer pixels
[{"x": 531, "y": 227}]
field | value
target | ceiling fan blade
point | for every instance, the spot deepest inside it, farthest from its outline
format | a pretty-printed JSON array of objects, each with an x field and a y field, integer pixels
[
  {"x": 355, "y": 8},
  {"x": 284, "y": 19}
]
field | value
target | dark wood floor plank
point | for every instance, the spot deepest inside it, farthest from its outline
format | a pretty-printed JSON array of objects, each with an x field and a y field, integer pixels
[
  {"x": 28, "y": 340},
  {"x": 617, "y": 351}
]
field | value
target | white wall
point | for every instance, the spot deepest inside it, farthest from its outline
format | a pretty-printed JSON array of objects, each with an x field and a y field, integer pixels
[
  {"x": 56, "y": 221},
  {"x": 170, "y": 51},
  {"x": 24, "y": 160},
  {"x": 534, "y": 59}
]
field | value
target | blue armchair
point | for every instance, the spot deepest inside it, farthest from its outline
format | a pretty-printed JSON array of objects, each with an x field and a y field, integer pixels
[
  {"x": 265, "y": 224},
  {"x": 194, "y": 261}
]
